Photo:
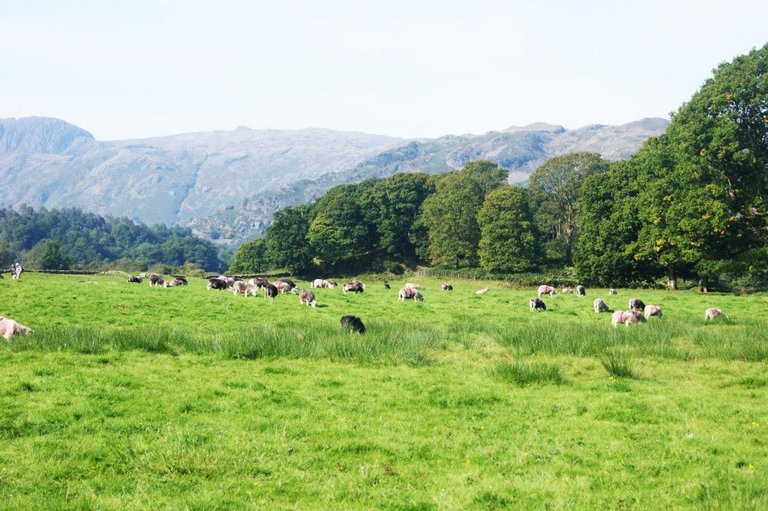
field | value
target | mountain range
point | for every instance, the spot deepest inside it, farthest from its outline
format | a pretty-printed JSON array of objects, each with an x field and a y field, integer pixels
[{"x": 227, "y": 184}]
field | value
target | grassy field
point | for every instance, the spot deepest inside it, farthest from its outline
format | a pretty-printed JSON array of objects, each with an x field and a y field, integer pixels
[{"x": 131, "y": 397}]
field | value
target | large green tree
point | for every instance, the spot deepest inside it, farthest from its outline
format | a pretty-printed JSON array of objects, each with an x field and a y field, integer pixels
[
  {"x": 286, "y": 239},
  {"x": 555, "y": 188},
  {"x": 450, "y": 214},
  {"x": 507, "y": 236},
  {"x": 251, "y": 257}
]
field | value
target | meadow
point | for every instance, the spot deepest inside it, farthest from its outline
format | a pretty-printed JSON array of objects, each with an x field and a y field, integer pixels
[{"x": 131, "y": 397}]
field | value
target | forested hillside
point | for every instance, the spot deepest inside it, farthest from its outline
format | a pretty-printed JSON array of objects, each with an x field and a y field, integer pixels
[{"x": 69, "y": 239}]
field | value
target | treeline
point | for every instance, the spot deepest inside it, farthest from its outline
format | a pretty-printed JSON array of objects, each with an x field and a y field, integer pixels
[
  {"x": 692, "y": 203},
  {"x": 62, "y": 239}
]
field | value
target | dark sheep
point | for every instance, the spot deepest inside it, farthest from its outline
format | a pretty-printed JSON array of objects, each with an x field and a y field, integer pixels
[
  {"x": 270, "y": 291},
  {"x": 134, "y": 280},
  {"x": 387, "y": 286},
  {"x": 217, "y": 283},
  {"x": 636, "y": 304},
  {"x": 536, "y": 304},
  {"x": 580, "y": 291},
  {"x": 446, "y": 287},
  {"x": 352, "y": 324}
]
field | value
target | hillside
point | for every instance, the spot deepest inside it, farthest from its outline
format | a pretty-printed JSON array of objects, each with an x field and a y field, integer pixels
[{"x": 227, "y": 184}]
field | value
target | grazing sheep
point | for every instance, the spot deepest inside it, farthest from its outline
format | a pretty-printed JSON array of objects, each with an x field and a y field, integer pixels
[
  {"x": 566, "y": 291},
  {"x": 134, "y": 280},
  {"x": 446, "y": 287},
  {"x": 546, "y": 290},
  {"x": 155, "y": 280},
  {"x": 482, "y": 291},
  {"x": 580, "y": 291},
  {"x": 636, "y": 304},
  {"x": 354, "y": 286},
  {"x": 626, "y": 318},
  {"x": 712, "y": 313},
  {"x": 10, "y": 327},
  {"x": 409, "y": 293},
  {"x": 307, "y": 297},
  {"x": 352, "y": 324},
  {"x": 612, "y": 292},
  {"x": 217, "y": 283},
  {"x": 270, "y": 291},
  {"x": 387, "y": 286},
  {"x": 536, "y": 304},
  {"x": 258, "y": 282},
  {"x": 652, "y": 310},
  {"x": 600, "y": 306}
]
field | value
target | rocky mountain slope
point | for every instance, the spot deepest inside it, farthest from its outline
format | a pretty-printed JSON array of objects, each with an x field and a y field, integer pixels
[{"x": 227, "y": 184}]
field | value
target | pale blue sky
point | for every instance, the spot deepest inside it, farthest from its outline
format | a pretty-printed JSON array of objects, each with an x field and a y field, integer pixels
[{"x": 126, "y": 69}]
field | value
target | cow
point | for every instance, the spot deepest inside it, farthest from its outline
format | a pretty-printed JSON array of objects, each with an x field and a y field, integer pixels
[
  {"x": 352, "y": 324},
  {"x": 612, "y": 292},
  {"x": 258, "y": 282},
  {"x": 217, "y": 283},
  {"x": 600, "y": 306},
  {"x": 626, "y": 318},
  {"x": 580, "y": 291},
  {"x": 636, "y": 304},
  {"x": 446, "y": 287},
  {"x": 9, "y": 328},
  {"x": 546, "y": 290},
  {"x": 652, "y": 310},
  {"x": 536, "y": 304},
  {"x": 307, "y": 297},
  {"x": 270, "y": 291},
  {"x": 712, "y": 313},
  {"x": 409, "y": 293},
  {"x": 566, "y": 290},
  {"x": 482, "y": 291},
  {"x": 173, "y": 283},
  {"x": 155, "y": 280},
  {"x": 354, "y": 286},
  {"x": 134, "y": 279}
]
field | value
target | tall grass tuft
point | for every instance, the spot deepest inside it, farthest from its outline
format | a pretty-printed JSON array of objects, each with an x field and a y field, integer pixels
[
  {"x": 527, "y": 373},
  {"x": 618, "y": 363}
]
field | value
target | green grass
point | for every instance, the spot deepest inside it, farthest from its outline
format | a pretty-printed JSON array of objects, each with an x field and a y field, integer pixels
[{"x": 128, "y": 397}]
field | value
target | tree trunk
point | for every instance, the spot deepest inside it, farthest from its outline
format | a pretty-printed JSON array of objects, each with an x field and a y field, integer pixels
[{"x": 671, "y": 279}]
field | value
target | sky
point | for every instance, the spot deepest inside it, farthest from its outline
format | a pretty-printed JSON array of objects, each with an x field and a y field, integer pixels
[{"x": 137, "y": 68}]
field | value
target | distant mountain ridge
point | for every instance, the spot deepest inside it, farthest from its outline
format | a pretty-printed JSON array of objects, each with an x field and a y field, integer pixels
[{"x": 226, "y": 184}]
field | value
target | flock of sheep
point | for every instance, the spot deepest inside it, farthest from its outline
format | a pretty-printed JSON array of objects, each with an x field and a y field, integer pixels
[{"x": 638, "y": 311}]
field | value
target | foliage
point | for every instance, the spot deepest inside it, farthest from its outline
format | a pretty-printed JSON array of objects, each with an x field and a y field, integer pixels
[
  {"x": 251, "y": 257},
  {"x": 555, "y": 188},
  {"x": 286, "y": 239},
  {"x": 85, "y": 240},
  {"x": 507, "y": 236}
]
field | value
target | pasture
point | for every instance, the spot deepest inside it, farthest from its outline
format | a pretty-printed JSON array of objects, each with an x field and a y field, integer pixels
[{"x": 131, "y": 397}]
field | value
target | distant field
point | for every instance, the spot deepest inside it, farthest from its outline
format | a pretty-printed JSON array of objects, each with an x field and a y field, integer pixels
[{"x": 131, "y": 397}]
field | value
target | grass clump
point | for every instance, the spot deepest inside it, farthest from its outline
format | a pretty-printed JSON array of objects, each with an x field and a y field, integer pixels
[
  {"x": 618, "y": 364},
  {"x": 527, "y": 373}
]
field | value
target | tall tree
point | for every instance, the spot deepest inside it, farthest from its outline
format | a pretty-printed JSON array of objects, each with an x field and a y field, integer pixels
[
  {"x": 555, "y": 188},
  {"x": 508, "y": 241},
  {"x": 286, "y": 239},
  {"x": 450, "y": 214},
  {"x": 251, "y": 257}
]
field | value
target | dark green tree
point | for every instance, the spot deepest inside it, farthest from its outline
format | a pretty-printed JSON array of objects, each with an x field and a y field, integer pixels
[
  {"x": 555, "y": 188},
  {"x": 507, "y": 236},
  {"x": 47, "y": 255},
  {"x": 286, "y": 240},
  {"x": 251, "y": 257}
]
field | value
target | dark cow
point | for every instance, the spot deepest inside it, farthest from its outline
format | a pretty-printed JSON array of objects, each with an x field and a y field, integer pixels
[
  {"x": 636, "y": 304},
  {"x": 354, "y": 286},
  {"x": 270, "y": 291},
  {"x": 536, "y": 304},
  {"x": 446, "y": 287},
  {"x": 352, "y": 324},
  {"x": 217, "y": 283},
  {"x": 580, "y": 291},
  {"x": 307, "y": 297},
  {"x": 134, "y": 280}
]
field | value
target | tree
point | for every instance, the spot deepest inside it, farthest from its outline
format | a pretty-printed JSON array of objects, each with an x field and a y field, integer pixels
[
  {"x": 507, "y": 236},
  {"x": 450, "y": 214},
  {"x": 286, "y": 240},
  {"x": 555, "y": 190},
  {"x": 47, "y": 255},
  {"x": 251, "y": 257}
]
